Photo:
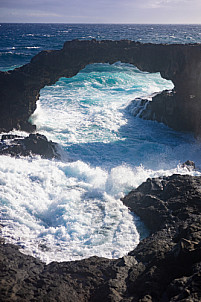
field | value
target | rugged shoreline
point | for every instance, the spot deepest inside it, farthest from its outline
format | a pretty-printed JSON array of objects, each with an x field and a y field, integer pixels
[{"x": 166, "y": 266}]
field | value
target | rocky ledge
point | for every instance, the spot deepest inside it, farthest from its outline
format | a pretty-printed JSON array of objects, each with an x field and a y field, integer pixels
[
  {"x": 181, "y": 109},
  {"x": 34, "y": 144},
  {"x": 164, "y": 267},
  {"x": 162, "y": 107}
]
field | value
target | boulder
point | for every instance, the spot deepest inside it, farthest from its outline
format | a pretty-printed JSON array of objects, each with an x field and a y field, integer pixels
[{"x": 34, "y": 144}]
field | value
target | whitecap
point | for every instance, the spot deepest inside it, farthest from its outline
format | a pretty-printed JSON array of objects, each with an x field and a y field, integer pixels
[{"x": 32, "y": 47}]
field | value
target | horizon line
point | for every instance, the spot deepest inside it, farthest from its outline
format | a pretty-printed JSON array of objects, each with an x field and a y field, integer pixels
[{"x": 104, "y": 23}]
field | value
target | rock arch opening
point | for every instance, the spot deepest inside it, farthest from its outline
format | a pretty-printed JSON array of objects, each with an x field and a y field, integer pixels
[
  {"x": 92, "y": 101},
  {"x": 178, "y": 63}
]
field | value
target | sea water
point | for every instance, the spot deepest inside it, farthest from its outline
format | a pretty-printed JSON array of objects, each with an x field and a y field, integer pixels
[{"x": 70, "y": 208}]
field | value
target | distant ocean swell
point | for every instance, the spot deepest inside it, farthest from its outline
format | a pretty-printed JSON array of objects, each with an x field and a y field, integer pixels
[{"x": 31, "y": 38}]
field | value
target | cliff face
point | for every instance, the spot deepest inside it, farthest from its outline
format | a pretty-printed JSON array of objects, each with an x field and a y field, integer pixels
[{"x": 20, "y": 88}]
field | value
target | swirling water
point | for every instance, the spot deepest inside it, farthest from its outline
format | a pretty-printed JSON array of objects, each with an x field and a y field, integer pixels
[{"x": 70, "y": 208}]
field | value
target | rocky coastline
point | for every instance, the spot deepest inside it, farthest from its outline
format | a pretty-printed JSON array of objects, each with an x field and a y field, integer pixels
[{"x": 166, "y": 266}]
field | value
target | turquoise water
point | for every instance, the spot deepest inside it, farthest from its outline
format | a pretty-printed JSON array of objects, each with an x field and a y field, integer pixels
[{"x": 71, "y": 209}]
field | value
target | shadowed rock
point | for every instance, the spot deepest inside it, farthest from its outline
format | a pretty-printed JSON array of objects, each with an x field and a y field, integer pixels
[
  {"x": 164, "y": 267},
  {"x": 181, "y": 109},
  {"x": 34, "y": 144}
]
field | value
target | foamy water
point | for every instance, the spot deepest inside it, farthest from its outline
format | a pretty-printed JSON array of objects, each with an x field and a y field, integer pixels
[
  {"x": 71, "y": 209},
  {"x": 93, "y": 103}
]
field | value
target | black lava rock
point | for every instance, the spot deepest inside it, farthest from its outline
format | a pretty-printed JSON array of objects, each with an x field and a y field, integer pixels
[{"x": 34, "y": 144}]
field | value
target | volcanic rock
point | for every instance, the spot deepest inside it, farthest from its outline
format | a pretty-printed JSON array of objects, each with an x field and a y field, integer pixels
[{"x": 34, "y": 144}]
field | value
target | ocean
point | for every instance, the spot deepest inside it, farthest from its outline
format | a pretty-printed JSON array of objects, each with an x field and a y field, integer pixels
[{"x": 70, "y": 209}]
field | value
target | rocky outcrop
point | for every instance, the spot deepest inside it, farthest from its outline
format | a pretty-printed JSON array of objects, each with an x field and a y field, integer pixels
[
  {"x": 166, "y": 266},
  {"x": 34, "y": 144},
  {"x": 181, "y": 109},
  {"x": 160, "y": 107},
  {"x": 166, "y": 107}
]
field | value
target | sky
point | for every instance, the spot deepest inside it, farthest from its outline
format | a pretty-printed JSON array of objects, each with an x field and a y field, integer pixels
[{"x": 101, "y": 11}]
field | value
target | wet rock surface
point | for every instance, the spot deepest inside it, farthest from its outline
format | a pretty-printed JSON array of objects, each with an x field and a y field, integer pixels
[
  {"x": 161, "y": 107},
  {"x": 34, "y": 144},
  {"x": 166, "y": 266},
  {"x": 166, "y": 107}
]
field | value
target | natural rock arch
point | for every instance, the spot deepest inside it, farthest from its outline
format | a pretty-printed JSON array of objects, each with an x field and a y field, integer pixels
[{"x": 181, "y": 109}]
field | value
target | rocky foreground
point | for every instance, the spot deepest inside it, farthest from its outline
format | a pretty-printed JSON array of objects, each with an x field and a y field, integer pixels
[{"x": 166, "y": 266}]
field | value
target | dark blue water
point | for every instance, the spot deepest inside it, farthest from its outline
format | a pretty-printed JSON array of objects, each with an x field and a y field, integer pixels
[{"x": 19, "y": 42}]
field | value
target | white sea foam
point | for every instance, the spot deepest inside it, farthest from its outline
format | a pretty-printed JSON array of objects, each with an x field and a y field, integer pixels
[
  {"x": 32, "y": 47},
  {"x": 61, "y": 211},
  {"x": 67, "y": 210},
  {"x": 91, "y": 102}
]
